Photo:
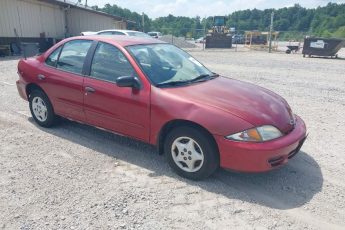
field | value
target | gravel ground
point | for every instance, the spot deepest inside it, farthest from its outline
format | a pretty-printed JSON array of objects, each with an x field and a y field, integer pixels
[{"x": 77, "y": 177}]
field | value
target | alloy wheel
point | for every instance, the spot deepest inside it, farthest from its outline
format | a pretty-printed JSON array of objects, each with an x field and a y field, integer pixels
[
  {"x": 40, "y": 109},
  {"x": 187, "y": 154}
]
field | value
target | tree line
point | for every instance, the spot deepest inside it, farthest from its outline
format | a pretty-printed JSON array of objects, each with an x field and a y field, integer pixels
[{"x": 327, "y": 21}]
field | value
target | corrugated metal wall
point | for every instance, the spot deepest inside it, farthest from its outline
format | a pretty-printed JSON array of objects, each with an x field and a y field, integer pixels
[
  {"x": 30, "y": 18},
  {"x": 80, "y": 20}
]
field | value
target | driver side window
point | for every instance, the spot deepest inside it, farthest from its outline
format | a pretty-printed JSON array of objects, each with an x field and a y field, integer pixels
[{"x": 109, "y": 63}]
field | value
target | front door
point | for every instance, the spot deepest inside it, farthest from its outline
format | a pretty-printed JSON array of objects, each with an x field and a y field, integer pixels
[{"x": 121, "y": 109}]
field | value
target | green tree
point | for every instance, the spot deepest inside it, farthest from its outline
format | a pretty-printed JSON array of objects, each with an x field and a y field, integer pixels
[{"x": 325, "y": 21}]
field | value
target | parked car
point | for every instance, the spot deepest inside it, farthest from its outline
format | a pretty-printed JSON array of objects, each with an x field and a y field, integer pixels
[
  {"x": 157, "y": 93},
  {"x": 155, "y": 34},
  {"x": 87, "y": 33},
  {"x": 118, "y": 32}
]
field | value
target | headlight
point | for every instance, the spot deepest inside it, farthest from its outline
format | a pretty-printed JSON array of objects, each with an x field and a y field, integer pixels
[{"x": 259, "y": 134}]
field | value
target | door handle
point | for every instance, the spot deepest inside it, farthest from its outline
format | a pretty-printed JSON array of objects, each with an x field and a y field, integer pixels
[
  {"x": 89, "y": 89},
  {"x": 41, "y": 77}
]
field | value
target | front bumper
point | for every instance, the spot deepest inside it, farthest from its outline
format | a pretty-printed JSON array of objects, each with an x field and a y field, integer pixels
[
  {"x": 21, "y": 87},
  {"x": 260, "y": 157}
]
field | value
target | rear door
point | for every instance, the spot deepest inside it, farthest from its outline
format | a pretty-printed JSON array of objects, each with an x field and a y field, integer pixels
[
  {"x": 120, "y": 109},
  {"x": 62, "y": 79}
]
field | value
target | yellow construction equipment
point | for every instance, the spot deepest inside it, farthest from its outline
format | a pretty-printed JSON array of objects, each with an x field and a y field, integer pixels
[{"x": 219, "y": 36}]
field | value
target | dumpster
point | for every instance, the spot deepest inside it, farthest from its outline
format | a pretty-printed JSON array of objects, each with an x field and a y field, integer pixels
[
  {"x": 29, "y": 49},
  {"x": 325, "y": 47}
]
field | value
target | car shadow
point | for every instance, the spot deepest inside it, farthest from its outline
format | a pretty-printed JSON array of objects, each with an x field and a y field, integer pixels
[{"x": 288, "y": 187}]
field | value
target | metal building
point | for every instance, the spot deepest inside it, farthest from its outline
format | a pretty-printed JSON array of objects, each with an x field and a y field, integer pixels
[{"x": 34, "y": 20}]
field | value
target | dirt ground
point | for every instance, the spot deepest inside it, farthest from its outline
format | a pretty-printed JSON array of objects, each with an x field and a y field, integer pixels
[{"x": 77, "y": 177}]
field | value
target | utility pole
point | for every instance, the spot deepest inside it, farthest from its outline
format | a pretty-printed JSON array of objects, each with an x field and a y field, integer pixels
[
  {"x": 143, "y": 22},
  {"x": 271, "y": 30},
  {"x": 85, "y": 3}
]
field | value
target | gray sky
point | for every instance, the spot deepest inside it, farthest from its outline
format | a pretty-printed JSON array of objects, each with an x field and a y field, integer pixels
[{"x": 191, "y": 8}]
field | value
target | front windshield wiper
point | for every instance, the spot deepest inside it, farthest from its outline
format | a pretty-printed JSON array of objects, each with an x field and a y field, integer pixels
[
  {"x": 172, "y": 83},
  {"x": 200, "y": 78},
  {"x": 204, "y": 77}
]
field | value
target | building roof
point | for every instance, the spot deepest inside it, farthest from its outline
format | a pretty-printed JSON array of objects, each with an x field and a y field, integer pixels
[{"x": 67, "y": 3}]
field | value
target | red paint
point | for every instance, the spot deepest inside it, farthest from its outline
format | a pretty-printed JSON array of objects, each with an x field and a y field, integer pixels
[{"x": 223, "y": 106}]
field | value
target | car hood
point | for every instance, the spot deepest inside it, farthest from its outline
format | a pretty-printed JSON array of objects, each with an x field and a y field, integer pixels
[{"x": 251, "y": 103}]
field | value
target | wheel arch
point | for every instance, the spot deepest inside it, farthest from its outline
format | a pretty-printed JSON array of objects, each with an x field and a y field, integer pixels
[
  {"x": 170, "y": 125},
  {"x": 31, "y": 87}
]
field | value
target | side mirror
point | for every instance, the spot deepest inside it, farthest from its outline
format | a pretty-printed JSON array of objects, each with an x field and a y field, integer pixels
[{"x": 128, "y": 81}]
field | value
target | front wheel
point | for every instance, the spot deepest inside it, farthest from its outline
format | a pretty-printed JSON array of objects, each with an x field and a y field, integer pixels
[
  {"x": 191, "y": 153},
  {"x": 41, "y": 108}
]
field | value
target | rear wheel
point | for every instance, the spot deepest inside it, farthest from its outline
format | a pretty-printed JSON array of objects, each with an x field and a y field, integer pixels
[
  {"x": 41, "y": 109},
  {"x": 191, "y": 153}
]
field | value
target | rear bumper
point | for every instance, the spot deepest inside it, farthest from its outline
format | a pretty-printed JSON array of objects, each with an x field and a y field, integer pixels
[
  {"x": 21, "y": 87},
  {"x": 260, "y": 157}
]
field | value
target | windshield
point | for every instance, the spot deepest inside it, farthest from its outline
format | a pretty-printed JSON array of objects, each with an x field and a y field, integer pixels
[
  {"x": 165, "y": 63},
  {"x": 219, "y": 21}
]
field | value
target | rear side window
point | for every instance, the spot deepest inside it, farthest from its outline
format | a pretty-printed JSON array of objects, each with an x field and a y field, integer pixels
[
  {"x": 73, "y": 55},
  {"x": 53, "y": 57},
  {"x": 109, "y": 63}
]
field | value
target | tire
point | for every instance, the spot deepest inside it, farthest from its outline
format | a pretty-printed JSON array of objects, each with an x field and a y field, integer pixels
[
  {"x": 195, "y": 161},
  {"x": 41, "y": 109}
]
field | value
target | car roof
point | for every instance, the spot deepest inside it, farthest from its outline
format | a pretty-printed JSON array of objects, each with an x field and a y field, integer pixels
[{"x": 120, "y": 39}]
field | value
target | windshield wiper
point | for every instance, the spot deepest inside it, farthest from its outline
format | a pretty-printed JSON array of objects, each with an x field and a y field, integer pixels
[
  {"x": 172, "y": 83},
  {"x": 204, "y": 77},
  {"x": 201, "y": 78}
]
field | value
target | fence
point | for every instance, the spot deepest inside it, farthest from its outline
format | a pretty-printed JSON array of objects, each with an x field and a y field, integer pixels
[{"x": 192, "y": 38}]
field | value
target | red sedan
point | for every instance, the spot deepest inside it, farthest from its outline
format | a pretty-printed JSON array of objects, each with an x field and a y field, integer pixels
[{"x": 157, "y": 93}]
